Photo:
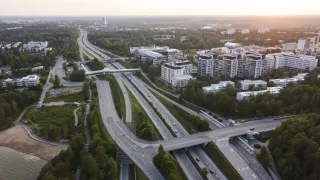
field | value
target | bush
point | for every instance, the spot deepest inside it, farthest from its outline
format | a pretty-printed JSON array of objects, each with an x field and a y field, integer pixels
[
  {"x": 257, "y": 146},
  {"x": 77, "y": 76}
]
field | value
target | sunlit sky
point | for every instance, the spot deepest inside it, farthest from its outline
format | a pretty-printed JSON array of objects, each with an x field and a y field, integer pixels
[{"x": 158, "y": 7}]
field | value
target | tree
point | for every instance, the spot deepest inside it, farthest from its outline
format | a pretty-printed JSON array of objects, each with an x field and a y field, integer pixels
[
  {"x": 89, "y": 167},
  {"x": 61, "y": 170},
  {"x": 77, "y": 76},
  {"x": 86, "y": 90},
  {"x": 56, "y": 82}
]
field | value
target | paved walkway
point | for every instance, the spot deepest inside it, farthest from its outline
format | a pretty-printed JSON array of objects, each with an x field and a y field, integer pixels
[{"x": 76, "y": 116}]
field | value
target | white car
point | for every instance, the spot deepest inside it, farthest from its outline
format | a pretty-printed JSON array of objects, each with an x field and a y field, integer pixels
[{"x": 174, "y": 124}]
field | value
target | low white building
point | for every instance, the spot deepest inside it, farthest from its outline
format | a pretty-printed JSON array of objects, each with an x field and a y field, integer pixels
[
  {"x": 245, "y": 31},
  {"x": 6, "y": 82},
  {"x": 246, "y": 84},
  {"x": 30, "y": 80},
  {"x": 263, "y": 30},
  {"x": 37, "y": 68},
  {"x": 181, "y": 81},
  {"x": 35, "y": 46},
  {"x": 294, "y": 80},
  {"x": 248, "y": 94},
  {"x": 217, "y": 87}
]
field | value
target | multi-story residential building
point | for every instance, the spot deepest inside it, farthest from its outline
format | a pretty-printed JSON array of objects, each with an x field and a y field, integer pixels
[
  {"x": 248, "y": 94},
  {"x": 35, "y": 46},
  {"x": 177, "y": 73},
  {"x": 289, "y": 60},
  {"x": 30, "y": 80},
  {"x": 181, "y": 81},
  {"x": 294, "y": 80},
  {"x": 246, "y": 84},
  {"x": 263, "y": 30},
  {"x": 228, "y": 65},
  {"x": 217, "y": 87},
  {"x": 208, "y": 64},
  {"x": 245, "y": 31},
  {"x": 253, "y": 67},
  {"x": 145, "y": 56},
  {"x": 36, "y": 68}
]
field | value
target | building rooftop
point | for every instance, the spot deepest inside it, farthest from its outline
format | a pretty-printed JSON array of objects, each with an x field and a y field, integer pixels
[
  {"x": 150, "y": 53},
  {"x": 183, "y": 77},
  {"x": 253, "y": 82}
]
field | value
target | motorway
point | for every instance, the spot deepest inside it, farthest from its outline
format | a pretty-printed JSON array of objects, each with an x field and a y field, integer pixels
[
  {"x": 187, "y": 166},
  {"x": 204, "y": 139}
]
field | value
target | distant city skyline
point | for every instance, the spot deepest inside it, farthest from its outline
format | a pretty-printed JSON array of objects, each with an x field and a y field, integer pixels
[{"x": 157, "y": 7}]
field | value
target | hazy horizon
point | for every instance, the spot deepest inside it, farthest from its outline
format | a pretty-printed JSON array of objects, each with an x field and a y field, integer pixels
[{"x": 159, "y": 8}]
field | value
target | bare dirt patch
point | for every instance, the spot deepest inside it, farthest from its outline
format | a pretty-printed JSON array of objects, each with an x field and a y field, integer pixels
[{"x": 17, "y": 138}]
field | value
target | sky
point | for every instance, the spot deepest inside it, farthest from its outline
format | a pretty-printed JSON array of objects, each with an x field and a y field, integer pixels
[{"x": 157, "y": 7}]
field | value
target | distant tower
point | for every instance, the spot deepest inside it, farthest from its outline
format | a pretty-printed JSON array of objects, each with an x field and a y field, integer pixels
[{"x": 104, "y": 21}]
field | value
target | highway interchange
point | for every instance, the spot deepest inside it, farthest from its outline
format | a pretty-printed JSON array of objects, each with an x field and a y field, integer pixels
[{"x": 142, "y": 151}]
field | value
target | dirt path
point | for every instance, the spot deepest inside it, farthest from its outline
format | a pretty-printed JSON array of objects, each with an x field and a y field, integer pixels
[{"x": 18, "y": 138}]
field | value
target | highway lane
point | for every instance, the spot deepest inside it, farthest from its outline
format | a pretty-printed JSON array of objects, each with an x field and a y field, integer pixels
[
  {"x": 175, "y": 125},
  {"x": 190, "y": 170},
  {"x": 110, "y": 118}
]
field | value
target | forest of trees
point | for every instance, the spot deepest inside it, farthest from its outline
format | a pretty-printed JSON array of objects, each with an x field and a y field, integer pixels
[
  {"x": 12, "y": 103},
  {"x": 77, "y": 76},
  {"x": 304, "y": 98},
  {"x": 63, "y": 40},
  {"x": 295, "y": 148},
  {"x": 96, "y": 163},
  {"x": 167, "y": 164},
  {"x": 95, "y": 65}
]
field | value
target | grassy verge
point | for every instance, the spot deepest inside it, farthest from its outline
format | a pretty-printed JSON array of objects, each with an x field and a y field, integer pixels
[
  {"x": 155, "y": 109},
  {"x": 221, "y": 161},
  {"x": 138, "y": 114},
  {"x": 139, "y": 173},
  {"x": 128, "y": 64},
  {"x": 185, "y": 119},
  {"x": 117, "y": 95},
  {"x": 66, "y": 98},
  {"x": 174, "y": 98},
  {"x": 54, "y": 123},
  {"x": 194, "y": 162}
]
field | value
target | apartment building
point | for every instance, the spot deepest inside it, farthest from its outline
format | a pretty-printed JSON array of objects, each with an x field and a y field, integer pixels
[
  {"x": 35, "y": 46},
  {"x": 294, "y": 80},
  {"x": 208, "y": 64},
  {"x": 253, "y": 65},
  {"x": 246, "y": 84},
  {"x": 217, "y": 87},
  {"x": 177, "y": 73},
  {"x": 145, "y": 56},
  {"x": 289, "y": 60},
  {"x": 28, "y": 81},
  {"x": 249, "y": 94},
  {"x": 228, "y": 65}
]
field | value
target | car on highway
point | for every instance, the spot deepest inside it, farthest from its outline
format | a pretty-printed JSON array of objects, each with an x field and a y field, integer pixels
[
  {"x": 174, "y": 124},
  {"x": 175, "y": 131},
  {"x": 251, "y": 129},
  {"x": 197, "y": 159},
  {"x": 211, "y": 171}
]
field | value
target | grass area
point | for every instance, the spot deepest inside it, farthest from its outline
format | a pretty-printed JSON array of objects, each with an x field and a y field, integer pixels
[
  {"x": 66, "y": 98},
  {"x": 139, "y": 173},
  {"x": 117, "y": 95},
  {"x": 194, "y": 162},
  {"x": 128, "y": 64},
  {"x": 155, "y": 109},
  {"x": 174, "y": 98},
  {"x": 53, "y": 123},
  {"x": 164, "y": 86},
  {"x": 179, "y": 114},
  {"x": 221, "y": 161},
  {"x": 138, "y": 114}
]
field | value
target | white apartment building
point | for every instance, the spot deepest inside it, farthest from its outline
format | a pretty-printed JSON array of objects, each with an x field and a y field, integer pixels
[
  {"x": 177, "y": 73},
  {"x": 245, "y": 31},
  {"x": 228, "y": 65},
  {"x": 248, "y": 94},
  {"x": 151, "y": 57},
  {"x": 263, "y": 30},
  {"x": 36, "y": 68},
  {"x": 290, "y": 60},
  {"x": 35, "y": 46},
  {"x": 30, "y": 80},
  {"x": 181, "y": 81},
  {"x": 217, "y": 87},
  {"x": 231, "y": 31},
  {"x": 246, "y": 84},
  {"x": 208, "y": 64},
  {"x": 253, "y": 65},
  {"x": 294, "y": 80}
]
